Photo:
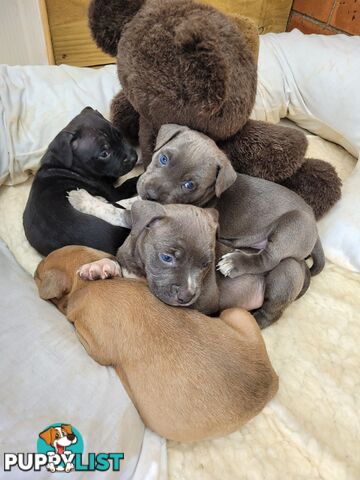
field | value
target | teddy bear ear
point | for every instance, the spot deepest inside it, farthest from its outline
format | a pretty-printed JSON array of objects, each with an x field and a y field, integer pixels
[
  {"x": 107, "y": 19},
  {"x": 250, "y": 31}
]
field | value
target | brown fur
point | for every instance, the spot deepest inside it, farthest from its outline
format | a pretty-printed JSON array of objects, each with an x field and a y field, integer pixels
[
  {"x": 186, "y": 63},
  {"x": 317, "y": 183},
  {"x": 190, "y": 376}
]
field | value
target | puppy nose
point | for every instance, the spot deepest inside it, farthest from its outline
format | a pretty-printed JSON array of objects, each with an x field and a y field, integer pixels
[
  {"x": 185, "y": 296},
  {"x": 70, "y": 436},
  {"x": 131, "y": 156},
  {"x": 151, "y": 194}
]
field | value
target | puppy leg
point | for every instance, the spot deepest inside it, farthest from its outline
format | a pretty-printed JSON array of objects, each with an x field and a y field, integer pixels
[
  {"x": 82, "y": 201},
  {"x": 242, "y": 321},
  {"x": 102, "y": 269},
  {"x": 287, "y": 282},
  {"x": 294, "y": 235}
]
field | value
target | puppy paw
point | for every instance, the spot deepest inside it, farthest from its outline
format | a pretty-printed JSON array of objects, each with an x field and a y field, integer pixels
[
  {"x": 227, "y": 265},
  {"x": 69, "y": 467},
  {"x": 82, "y": 201},
  {"x": 102, "y": 269}
]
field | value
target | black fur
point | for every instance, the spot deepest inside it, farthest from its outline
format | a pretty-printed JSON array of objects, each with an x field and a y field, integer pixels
[{"x": 73, "y": 160}]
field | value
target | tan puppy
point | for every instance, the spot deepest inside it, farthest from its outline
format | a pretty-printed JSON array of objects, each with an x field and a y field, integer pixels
[{"x": 190, "y": 376}]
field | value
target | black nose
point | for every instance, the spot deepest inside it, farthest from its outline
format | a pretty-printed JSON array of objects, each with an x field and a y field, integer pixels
[
  {"x": 70, "y": 436},
  {"x": 185, "y": 296},
  {"x": 131, "y": 156},
  {"x": 151, "y": 194}
]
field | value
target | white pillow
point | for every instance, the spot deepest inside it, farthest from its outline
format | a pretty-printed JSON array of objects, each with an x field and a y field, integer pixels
[
  {"x": 36, "y": 102},
  {"x": 314, "y": 80},
  {"x": 47, "y": 377}
]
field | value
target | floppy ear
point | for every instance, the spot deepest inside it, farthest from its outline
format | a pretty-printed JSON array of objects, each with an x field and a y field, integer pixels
[
  {"x": 67, "y": 429},
  {"x": 61, "y": 147},
  {"x": 167, "y": 133},
  {"x": 143, "y": 213},
  {"x": 48, "y": 435},
  {"x": 54, "y": 284},
  {"x": 213, "y": 213},
  {"x": 226, "y": 176}
]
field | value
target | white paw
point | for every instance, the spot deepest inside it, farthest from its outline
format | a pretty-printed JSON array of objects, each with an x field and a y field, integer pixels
[
  {"x": 69, "y": 467},
  {"x": 226, "y": 264},
  {"x": 51, "y": 467},
  {"x": 80, "y": 199},
  {"x": 102, "y": 269},
  {"x": 127, "y": 203},
  {"x": 101, "y": 199}
]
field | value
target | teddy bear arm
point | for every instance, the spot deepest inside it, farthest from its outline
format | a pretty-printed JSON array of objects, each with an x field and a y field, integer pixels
[
  {"x": 147, "y": 137},
  {"x": 265, "y": 150},
  {"x": 317, "y": 183},
  {"x": 125, "y": 118}
]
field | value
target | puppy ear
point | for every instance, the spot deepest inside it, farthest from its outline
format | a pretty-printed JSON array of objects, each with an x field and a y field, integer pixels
[
  {"x": 214, "y": 214},
  {"x": 48, "y": 435},
  {"x": 226, "y": 176},
  {"x": 61, "y": 147},
  {"x": 54, "y": 284},
  {"x": 67, "y": 429},
  {"x": 143, "y": 214},
  {"x": 167, "y": 133}
]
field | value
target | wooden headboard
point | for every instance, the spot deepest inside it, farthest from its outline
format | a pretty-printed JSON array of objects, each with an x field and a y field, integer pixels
[{"x": 69, "y": 40}]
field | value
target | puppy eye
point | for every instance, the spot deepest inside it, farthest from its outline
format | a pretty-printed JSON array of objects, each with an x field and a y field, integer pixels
[
  {"x": 166, "y": 258},
  {"x": 163, "y": 159},
  {"x": 57, "y": 435},
  {"x": 189, "y": 185},
  {"x": 206, "y": 264},
  {"x": 104, "y": 155}
]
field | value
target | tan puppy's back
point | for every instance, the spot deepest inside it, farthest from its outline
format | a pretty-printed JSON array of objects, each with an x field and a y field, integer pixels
[{"x": 190, "y": 376}]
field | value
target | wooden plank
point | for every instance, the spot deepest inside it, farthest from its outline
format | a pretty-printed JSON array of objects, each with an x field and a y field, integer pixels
[
  {"x": 70, "y": 34},
  {"x": 269, "y": 15},
  {"x": 47, "y": 33},
  {"x": 72, "y": 43}
]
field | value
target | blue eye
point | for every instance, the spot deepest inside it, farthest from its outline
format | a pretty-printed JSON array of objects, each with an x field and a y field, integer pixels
[
  {"x": 166, "y": 258},
  {"x": 163, "y": 159},
  {"x": 189, "y": 185}
]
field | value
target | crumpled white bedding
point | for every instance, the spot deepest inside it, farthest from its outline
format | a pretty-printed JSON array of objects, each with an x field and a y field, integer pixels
[
  {"x": 311, "y": 429},
  {"x": 47, "y": 377},
  {"x": 314, "y": 81}
]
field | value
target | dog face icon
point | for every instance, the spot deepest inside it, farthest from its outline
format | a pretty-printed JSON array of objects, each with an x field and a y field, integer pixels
[{"x": 59, "y": 438}]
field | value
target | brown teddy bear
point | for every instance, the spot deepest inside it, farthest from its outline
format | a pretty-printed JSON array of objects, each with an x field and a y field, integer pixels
[{"x": 187, "y": 63}]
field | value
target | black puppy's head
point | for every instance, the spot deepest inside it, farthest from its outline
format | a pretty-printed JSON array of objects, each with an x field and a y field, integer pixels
[{"x": 92, "y": 145}]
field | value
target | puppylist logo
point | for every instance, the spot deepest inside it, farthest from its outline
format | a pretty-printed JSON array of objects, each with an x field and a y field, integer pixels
[{"x": 60, "y": 448}]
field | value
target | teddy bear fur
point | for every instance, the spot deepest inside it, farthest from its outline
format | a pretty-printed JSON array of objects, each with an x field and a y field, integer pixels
[{"x": 187, "y": 63}]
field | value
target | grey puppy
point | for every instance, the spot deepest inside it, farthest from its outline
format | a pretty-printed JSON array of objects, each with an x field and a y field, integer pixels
[
  {"x": 172, "y": 246},
  {"x": 265, "y": 222}
]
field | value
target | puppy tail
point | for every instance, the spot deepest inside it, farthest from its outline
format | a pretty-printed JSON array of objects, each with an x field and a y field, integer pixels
[
  {"x": 107, "y": 19},
  {"x": 318, "y": 259}
]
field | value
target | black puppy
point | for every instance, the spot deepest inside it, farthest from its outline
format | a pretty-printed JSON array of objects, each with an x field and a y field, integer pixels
[{"x": 88, "y": 153}]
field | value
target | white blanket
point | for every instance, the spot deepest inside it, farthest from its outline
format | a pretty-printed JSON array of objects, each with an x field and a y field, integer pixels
[{"x": 312, "y": 428}]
